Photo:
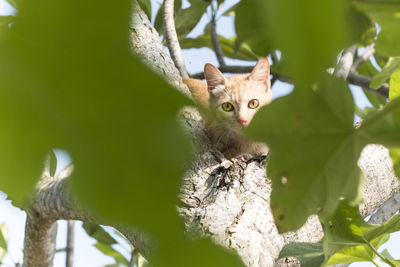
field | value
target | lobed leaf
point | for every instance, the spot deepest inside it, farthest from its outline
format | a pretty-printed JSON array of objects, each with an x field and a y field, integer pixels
[
  {"x": 306, "y": 147},
  {"x": 310, "y": 33},
  {"x": 347, "y": 229},
  {"x": 391, "y": 66},
  {"x": 309, "y": 254}
]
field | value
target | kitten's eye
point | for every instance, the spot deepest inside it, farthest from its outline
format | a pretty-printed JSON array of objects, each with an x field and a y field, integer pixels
[
  {"x": 253, "y": 103},
  {"x": 227, "y": 106}
]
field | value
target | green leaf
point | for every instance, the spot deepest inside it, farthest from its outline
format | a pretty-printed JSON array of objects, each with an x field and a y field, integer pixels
[
  {"x": 310, "y": 33},
  {"x": 3, "y": 241},
  {"x": 301, "y": 176},
  {"x": 358, "y": 253},
  {"x": 367, "y": 69},
  {"x": 376, "y": 100},
  {"x": 74, "y": 84},
  {"x": 250, "y": 29},
  {"x": 187, "y": 19},
  {"x": 98, "y": 233},
  {"x": 394, "y": 85},
  {"x": 5, "y": 20},
  {"x": 346, "y": 229},
  {"x": 109, "y": 251},
  {"x": 391, "y": 66},
  {"x": 382, "y": 126},
  {"x": 309, "y": 254},
  {"x": 145, "y": 5},
  {"x": 385, "y": 13},
  {"x": 395, "y": 155},
  {"x": 387, "y": 255},
  {"x": 158, "y": 23},
  {"x": 227, "y": 45}
]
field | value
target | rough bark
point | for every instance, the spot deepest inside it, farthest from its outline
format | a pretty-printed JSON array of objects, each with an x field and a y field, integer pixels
[{"x": 227, "y": 200}]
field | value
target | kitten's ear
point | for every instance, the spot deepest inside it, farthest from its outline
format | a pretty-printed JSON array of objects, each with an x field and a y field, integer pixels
[
  {"x": 260, "y": 71},
  {"x": 213, "y": 76}
]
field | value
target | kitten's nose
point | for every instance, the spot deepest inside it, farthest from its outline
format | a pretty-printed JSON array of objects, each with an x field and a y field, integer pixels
[{"x": 242, "y": 122}]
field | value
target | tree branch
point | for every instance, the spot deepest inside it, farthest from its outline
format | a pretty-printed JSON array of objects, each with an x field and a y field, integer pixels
[
  {"x": 214, "y": 38},
  {"x": 369, "y": 51},
  {"x": 346, "y": 61},
  {"x": 364, "y": 81},
  {"x": 69, "y": 257},
  {"x": 172, "y": 38}
]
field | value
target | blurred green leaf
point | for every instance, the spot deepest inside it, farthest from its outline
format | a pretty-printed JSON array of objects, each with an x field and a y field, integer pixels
[
  {"x": 74, "y": 84},
  {"x": 145, "y": 5},
  {"x": 395, "y": 155},
  {"x": 5, "y": 20},
  {"x": 358, "y": 253},
  {"x": 3, "y": 241},
  {"x": 227, "y": 45},
  {"x": 391, "y": 66},
  {"x": 376, "y": 100},
  {"x": 309, "y": 254},
  {"x": 302, "y": 177},
  {"x": 347, "y": 229},
  {"x": 109, "y": 251},
  {"x": 367, "y": 69},
  {"x": 382, "y": 126},
  {"x": 250, "y": 28},
  {"x": 369, "y": 35},
  {"x": 310, "y": 33},
  {"x": 98, "y": 233},
  {"x": 385, "y": 13},
  {"x": 394, "y": 85}
]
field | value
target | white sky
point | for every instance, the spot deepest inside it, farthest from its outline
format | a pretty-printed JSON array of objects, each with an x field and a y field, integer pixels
[{"x": 85, "y": 254}]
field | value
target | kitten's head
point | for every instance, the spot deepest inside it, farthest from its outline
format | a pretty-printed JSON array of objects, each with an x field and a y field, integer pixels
[{"x": 235, "y": 100}]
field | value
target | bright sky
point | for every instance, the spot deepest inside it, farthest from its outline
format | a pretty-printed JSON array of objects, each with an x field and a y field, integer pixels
[{"x": 85, "y": 254}]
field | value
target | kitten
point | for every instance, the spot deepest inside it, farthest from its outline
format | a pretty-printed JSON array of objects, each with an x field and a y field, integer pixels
[{"x": 228, "y": 104}]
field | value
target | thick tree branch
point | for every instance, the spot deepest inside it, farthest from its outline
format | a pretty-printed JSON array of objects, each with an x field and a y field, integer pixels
[
  {"x": 346, "y": 61},
  {"x": 172, "y": 38}
]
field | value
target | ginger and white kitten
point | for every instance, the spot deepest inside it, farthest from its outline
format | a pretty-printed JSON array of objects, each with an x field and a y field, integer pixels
[{"x": 229, "y": 104}]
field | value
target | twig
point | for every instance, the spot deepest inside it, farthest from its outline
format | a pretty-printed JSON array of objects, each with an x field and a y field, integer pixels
[
  {"x": 364, "y": 81},
  {"x": 242, "y": 69},
  {"x": 214, "y": 38},
  {"x": 69, "y": 259},
  {"x": 172, "y": 38},
  {"x": 369, "y": 51}
]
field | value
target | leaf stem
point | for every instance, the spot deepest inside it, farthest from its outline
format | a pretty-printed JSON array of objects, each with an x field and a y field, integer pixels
[
  {"x": 380, "y": 255},
  {"x": 376, "y": 264}
]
